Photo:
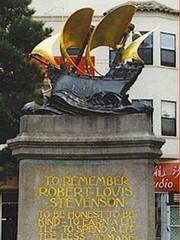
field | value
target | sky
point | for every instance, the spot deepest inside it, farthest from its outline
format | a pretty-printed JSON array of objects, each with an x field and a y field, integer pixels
[{"x": 66, "y": 7}]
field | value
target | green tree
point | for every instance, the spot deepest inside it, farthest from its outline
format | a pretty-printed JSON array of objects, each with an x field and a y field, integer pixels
[{"x": 19, "y": 79}]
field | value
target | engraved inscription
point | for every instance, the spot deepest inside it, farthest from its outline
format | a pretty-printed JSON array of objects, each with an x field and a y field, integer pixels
[{"x": 85, "y": 207}]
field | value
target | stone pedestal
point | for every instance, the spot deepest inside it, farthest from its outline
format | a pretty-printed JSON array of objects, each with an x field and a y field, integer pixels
[{"x": 86, "y": 177}]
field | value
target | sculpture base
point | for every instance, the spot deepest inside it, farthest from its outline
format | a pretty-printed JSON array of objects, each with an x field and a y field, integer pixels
[{"x": 86, "y": 178}]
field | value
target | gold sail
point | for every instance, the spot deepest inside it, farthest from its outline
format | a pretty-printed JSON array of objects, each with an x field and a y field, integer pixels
[
  {"x": 110, "y": 31},
  {"x": 131, "y": 52},
  {"x": 75, "y": 31},
  {"x": 45, "y": 49}
]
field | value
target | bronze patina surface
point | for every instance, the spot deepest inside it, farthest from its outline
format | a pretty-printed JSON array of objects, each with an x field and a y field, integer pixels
[{"x": 85, "y": 94}]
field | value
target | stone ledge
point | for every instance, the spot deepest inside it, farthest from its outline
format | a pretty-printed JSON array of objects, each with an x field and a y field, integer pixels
[
  {"x": 93, "y": 125},
  {"x": 67, "y": 137}
]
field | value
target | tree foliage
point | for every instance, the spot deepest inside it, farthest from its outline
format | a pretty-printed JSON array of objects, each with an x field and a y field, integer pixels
[
  {"x": 8, "y": 168},
  {"x": 19, "y": 79}
]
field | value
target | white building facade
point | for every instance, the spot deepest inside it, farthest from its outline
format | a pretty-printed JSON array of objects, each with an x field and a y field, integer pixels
[{"x": 157, "y": 85}]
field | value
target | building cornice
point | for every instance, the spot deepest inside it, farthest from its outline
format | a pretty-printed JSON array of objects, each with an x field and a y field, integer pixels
[{"x": 150, "y": 6}]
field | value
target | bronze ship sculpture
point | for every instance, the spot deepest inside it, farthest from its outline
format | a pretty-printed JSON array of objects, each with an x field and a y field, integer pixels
[{"x": 74, "y": 93}]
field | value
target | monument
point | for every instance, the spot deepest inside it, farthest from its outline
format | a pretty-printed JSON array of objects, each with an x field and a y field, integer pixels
[{"x": 87, "y": 154}]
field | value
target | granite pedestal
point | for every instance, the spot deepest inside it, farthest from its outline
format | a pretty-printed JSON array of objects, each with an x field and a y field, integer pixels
[{"x": 86, "y": 177}]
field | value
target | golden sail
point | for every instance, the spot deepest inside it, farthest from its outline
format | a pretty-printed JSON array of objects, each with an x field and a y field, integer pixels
[
  {"x": 75, "y": 31},
  {"x": 131, "y": 52},
  {"x": 110, "y": 31},
  {"x": 83, "y": 94},
  {"x": 45, "y": 49}
]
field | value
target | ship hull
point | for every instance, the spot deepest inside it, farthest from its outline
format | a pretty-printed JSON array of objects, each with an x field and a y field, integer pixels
[{"x": 83, "y": 94}]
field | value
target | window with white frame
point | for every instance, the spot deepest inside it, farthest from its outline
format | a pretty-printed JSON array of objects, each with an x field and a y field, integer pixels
[
  {"x": 168, "y": 49},
  {"x": 145, "y": 50},
  {"x": 144, "y": 103},
  {"x": 168, "y": 118}
]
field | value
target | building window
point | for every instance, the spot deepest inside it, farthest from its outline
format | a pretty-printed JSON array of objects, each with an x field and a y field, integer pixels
[
  {"x": 168, "y": 118},
  {"x": 144, "y": 103},
  {"x": 174, "y": 215},
  {"x": 158, "y": 216},
  {"x": 8, "y": 215},
  {"x": 73, "y": 51},
  {"x": 168, "y": 52},
  {"x": 112, "y": 54},
  {"x": 145, "y": 50}
]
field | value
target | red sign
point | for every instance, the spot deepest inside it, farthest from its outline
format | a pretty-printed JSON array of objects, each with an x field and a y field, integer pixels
[
  {"x": 81, "y": 66},
  {"x": 167, "y": 176}
]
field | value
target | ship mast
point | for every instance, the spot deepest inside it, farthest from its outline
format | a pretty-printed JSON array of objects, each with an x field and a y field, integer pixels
[{"x": 120, "y": 51}]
